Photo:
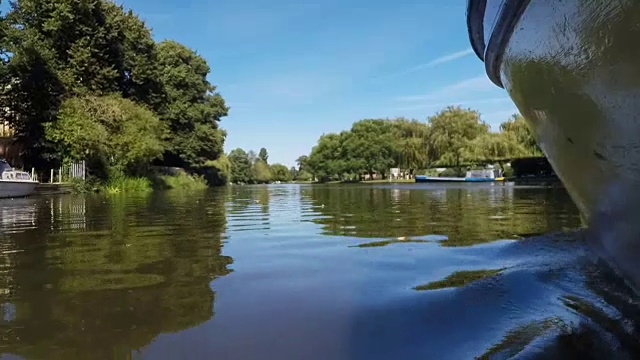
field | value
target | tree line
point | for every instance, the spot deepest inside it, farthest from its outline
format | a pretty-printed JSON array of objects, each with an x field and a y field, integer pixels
[
  {"x": 247, "y": 167},
  {"x": 454, "y": 137},
  {"x": 85, "y": 80}
]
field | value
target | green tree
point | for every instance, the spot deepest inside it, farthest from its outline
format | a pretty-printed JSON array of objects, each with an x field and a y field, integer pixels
[
  {"x": 263, "y": 156},
  {"x": 412, "y": 146},
  {"x": 218, "y": 172},
  {"x": 450, "y": 132},
  {"x": 293, "y": 173},
  {"x": 304, "y": 175},
  {"x": 303, "y": 162},
  {"x": 117, "y": 133},
  {"x": 517, "y": 127},
  {"x": 193, "y": 109},
  {"x": 280, "y": 172},
  {"x": 494, "y": 146},
  {"x": 329, "y": 157},
  {"x": 371, "y": 146},
  {"x": 261, "y": 172},
  {"x": 241, "y": 167}
]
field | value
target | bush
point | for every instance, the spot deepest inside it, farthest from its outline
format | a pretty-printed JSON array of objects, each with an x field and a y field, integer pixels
[
  {"x": 124, "y": 184},
  {"x": 114, "y": 135},
  {"x": 184, "y": 181},
  {"x": 304, "y": 176}
]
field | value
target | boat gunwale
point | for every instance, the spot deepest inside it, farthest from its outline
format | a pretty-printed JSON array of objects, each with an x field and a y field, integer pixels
[{"x": 506, "y": 18}]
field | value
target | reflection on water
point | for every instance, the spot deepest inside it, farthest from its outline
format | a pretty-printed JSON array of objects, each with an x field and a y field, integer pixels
[
  {"x": 309, "y": 272},
  {"x": 100, "y": 277},
  {"x": 465, "y": 214}
]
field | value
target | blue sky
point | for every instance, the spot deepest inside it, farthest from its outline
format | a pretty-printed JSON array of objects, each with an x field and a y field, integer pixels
[{"x": 291, "y": 71}]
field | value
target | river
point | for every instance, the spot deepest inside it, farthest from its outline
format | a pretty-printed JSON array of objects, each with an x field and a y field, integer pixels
[{"x": 404, "y": 271}]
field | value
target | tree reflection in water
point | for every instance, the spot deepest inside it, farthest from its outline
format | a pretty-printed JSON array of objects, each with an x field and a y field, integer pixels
[
  {"x": 465, "y": 215},
  {"x": 102, "y": 276}
]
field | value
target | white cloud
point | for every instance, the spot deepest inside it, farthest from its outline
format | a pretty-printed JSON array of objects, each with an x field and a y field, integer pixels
[
  {"x": 437, "y": 61},
  {"x": 445, "y": 59},
  {"x": 474, "y": 84}
]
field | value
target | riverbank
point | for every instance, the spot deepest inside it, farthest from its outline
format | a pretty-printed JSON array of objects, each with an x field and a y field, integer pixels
[{"x": 380, "y": 181}]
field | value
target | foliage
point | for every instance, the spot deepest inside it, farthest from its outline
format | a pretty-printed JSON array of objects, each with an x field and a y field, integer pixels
[
  {"x": 218, "y": 172},
  {"x": 303, "y": 163},
  {"x": 261, "y": 172},
  {"x": 126, "y": 184},
  {"x": 193, "y": 108},
  {"x": 55, "y": 51},
  {"x": 280, "y": 172},
  {"x": 451, "y": 131},
  {"x": 263, "y": 155},
  {"x": 183, "y": 181},
  {"x": 304, "y": 175},
  {"x": 241, "y": 167},
  {"x": 112, "y": 131},
  {"x": 452, "y": 137},
  {"x": 518, "y": 128}
]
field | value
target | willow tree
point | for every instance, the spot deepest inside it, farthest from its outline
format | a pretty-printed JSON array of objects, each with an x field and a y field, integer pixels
[
  {"x": 495, "y": 146},
  {"x": 412, "y": 146},
  {"x": 517, "y": 127},
  {"x": 451, "y": 130}
]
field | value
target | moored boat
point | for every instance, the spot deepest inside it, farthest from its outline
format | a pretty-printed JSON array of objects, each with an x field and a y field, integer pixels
[
  {"x": 487, "y": 175},
  {"x": 15, "y": 183}
]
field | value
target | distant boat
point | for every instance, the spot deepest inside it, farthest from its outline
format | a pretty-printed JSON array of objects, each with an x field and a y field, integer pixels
[
  {"x": 487, "y": 175},
  {"x": 14, "y": 183}
]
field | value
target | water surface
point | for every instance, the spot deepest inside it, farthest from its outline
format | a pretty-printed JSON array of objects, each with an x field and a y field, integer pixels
[{"x": 308, "y": 272}]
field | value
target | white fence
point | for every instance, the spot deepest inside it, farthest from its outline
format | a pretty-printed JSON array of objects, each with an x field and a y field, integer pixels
[{"x": 75, "y": 170}]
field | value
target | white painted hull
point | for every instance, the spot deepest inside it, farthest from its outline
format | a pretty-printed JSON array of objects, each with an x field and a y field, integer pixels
[
  {"x": 12, "y": 189},
  {"x": 573, "y": 69},
  {"x": 577, "y": 83}
]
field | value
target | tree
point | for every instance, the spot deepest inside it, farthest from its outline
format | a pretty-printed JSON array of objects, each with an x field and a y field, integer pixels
[
  {"x": 261, "y": 172},
  {"x": 371, "y": 146},
  {"x": 303, "y": 162},
  {"x": 293, "y": 173},
  {"x": 412, "y": 146},
  {"x": 451, "y": 130},
  {"x": 329, "y": 157},
  {"x": 114, "y": 132},
  {"x": 280, "y": 172},
  {"x": 241, "y": 167},
  {"x": 263, "y": 156},
  {"x": 517, "y": 127},
  {"x": 52, "y": 51},
  {"x": 218, "y": 172},
  {"x": 494, "y": 146},
  {"x": 193, "y": 108}
]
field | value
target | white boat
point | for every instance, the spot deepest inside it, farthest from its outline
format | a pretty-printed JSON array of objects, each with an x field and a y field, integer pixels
[
  {"x": 15, "y": 183},
  {"x": 573, "y": 70}
]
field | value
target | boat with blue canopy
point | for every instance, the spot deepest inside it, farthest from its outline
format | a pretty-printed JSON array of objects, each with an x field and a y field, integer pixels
[{"x": 484, "y": 175}]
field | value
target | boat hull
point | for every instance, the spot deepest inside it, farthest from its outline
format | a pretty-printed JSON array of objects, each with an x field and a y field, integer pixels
[
  {"x": 573, "y": 70},
  {"x": 437, "y": 179},
  {"x": 14, "y": 189}
]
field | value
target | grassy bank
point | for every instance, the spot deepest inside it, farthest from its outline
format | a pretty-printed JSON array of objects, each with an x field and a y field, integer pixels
[
  {"x": 140, "y": 184},
  {"x": 381, "y": 181}
]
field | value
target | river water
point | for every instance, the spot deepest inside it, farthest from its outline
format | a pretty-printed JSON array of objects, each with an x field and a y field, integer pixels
[{"x": 308, "y": 272}]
